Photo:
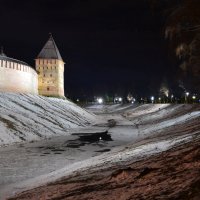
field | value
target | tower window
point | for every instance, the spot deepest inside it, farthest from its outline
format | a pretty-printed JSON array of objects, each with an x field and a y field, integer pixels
[
  {"x": 50, "y": 75},
  {"x": 47, "y": 88},
  {"x": 44, "y": 75}
]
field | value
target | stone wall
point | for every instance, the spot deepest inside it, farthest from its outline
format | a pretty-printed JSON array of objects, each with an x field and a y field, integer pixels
[
  {"x": 50, "y": 77},
  {"x": 17, "y": 77}
]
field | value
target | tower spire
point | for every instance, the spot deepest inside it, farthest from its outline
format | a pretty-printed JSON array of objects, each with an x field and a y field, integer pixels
[{"x": 50, "y": 50}]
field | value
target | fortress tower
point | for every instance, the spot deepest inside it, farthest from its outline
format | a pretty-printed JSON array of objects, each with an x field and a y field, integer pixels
[{"x": 50, "y": 68}]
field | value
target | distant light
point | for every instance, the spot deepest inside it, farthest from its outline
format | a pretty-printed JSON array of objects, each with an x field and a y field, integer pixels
[
  {"x": 77, "y": 100},
  {"x": 172, "y": 96},
  {"x": 133, "y": 101},
  {"x": 129, "y": 97},
  {"x": 159, "y": 99},
  {"x": 120, "y": 99},
  {"x": 187, "y": 94},
  {"x": 166, "y": 92},
  {"x": 100, "y": 100},
  {"x": 193, "y": 97},
  {"x": 152, "y": 98}
]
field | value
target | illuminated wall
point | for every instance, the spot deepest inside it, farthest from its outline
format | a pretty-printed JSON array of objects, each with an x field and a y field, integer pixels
[
  {"x": 16, "y": 77},
  {"x": 50, "y": 77}
]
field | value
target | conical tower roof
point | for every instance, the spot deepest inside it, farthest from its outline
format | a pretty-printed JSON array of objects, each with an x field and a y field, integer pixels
[{"x": 50, "y": 50}]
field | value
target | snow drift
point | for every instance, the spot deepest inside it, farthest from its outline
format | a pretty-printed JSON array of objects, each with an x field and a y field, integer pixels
[{"x": 28, "y": 117}]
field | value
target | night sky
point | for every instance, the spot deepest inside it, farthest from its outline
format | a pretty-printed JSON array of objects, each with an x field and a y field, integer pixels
[{"x": 109, "y": 46}]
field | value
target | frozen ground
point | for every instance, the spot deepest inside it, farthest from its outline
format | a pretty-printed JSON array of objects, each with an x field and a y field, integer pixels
[
  {"x": 119, "y": 133},
  {"x": 28, "y": 117}
]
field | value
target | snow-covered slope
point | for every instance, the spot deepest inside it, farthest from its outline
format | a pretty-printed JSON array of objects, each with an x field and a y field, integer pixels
[
  {"x": 28, "y": 117},
  {"x": 110, "y": 108},
  {"x": 139, "y": 131}
]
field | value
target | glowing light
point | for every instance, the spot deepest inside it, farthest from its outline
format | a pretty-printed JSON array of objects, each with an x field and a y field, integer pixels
[
  {"x": 152, "y": 98},
  {"x": 187, "y": 94},
  {"x": 133, "y": 101},
  {"x": 193, "y": 97},
  {"x": 130, "y": 97},
  {"x": 100, "y": 100},
  {"x": 120, "y": 99},
  {"x": 159, "y": 99}
]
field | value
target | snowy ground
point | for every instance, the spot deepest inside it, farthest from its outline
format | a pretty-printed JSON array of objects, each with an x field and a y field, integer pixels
[
  {"x": 134, "y": 131},
  {"x": 28, "y": 117}
]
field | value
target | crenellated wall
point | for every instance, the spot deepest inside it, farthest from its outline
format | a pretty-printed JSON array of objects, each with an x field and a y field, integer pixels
[{"x": 17, "y": 77}]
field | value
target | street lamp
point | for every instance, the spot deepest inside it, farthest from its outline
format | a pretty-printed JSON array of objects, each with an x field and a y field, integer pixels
[
  {"x": 100, "y": 100},
  {"x": 186, "y": 96},
  {"x": 193, "y": 98},
  {"x": 152, "y": 99}
]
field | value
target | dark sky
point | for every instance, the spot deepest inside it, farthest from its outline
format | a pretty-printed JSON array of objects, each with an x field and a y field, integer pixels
[{"x": 109, "y": 46}]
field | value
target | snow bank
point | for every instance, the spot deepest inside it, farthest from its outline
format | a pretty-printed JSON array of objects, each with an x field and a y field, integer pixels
[
  {"x": 106, "y": 108},
  {"x": 28, "y": 117},
  {"x": 158, "y": 112},
  {"x": 153, "y": 118},
  {"x": 145, "y": 109}
]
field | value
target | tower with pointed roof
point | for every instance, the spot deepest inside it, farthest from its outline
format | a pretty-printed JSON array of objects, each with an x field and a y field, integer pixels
[{"x": 50, "y": 68}]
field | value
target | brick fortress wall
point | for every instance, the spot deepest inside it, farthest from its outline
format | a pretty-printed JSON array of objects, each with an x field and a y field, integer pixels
[{"x": 17, "y": 77}]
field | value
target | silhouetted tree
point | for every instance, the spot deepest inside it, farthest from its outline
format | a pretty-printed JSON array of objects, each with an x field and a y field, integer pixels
[{"x": 182, "y": 29}]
